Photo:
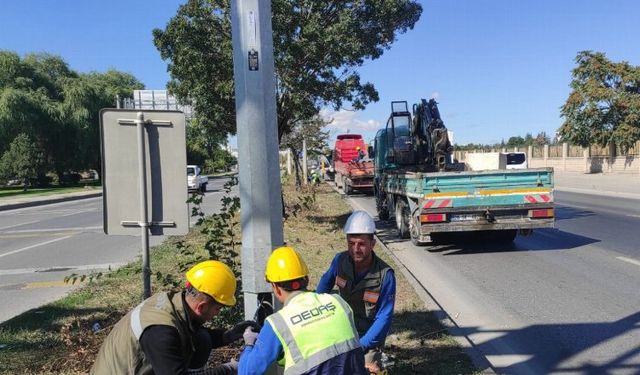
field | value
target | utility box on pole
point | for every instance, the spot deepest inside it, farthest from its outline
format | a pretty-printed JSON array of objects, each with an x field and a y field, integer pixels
[{"x": 258, "y": 156}]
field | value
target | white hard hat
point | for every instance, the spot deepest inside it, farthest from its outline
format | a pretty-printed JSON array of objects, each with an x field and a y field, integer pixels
[{"x": 360, "y": 222}]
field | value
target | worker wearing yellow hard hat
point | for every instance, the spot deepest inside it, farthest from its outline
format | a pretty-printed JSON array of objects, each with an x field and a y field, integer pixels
[
  {"x": 165, "y": 331},
  {"x": 314, "y": 333}
]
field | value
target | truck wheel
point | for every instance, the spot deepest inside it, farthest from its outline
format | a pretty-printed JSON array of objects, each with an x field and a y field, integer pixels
[
  {"x": 346, "y": 187},
  {"x": 204, "y": 188},
  {"x": 402, "y": 218},
  {"x": 414, "y": 230}
]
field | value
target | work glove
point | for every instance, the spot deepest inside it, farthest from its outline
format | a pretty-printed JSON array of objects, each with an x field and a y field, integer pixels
[
  {"x": 231, "y": 366},
  {"x": 249, "y": 336},
  {"x": 236, "y": 333}
]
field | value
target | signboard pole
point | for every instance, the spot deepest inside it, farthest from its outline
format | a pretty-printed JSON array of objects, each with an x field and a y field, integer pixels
[{"x": 144, "y": 222}]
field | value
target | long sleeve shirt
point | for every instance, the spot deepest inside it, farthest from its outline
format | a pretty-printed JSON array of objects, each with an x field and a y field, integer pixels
[
  {"x": 161, "y": 345},
  {"x": 267, "y": 349},
  {"x": 378, "y": 331}
]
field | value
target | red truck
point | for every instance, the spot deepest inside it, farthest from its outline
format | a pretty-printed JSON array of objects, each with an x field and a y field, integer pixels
[{"x": 352, "y": 166}]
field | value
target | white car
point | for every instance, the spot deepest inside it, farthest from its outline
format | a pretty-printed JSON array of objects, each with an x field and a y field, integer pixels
[
  {"x": 516, "y": 160},
  {"x": 196, "y": 181}
]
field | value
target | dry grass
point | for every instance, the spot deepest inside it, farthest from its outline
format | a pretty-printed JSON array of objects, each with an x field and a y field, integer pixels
[{"x": 59, "y": 338}]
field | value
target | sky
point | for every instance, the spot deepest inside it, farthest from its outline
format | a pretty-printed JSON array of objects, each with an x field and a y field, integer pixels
[{"x": 498, "y": 68}]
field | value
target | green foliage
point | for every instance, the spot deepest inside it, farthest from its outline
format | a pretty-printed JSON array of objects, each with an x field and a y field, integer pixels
[
  {"x": 41, "y": 96},
  {"x": 22, "y": 161},
  {"x": 604, "y": 104},
  {"x": 221, "y": 244},
  {"x": 317, "y": 46}
]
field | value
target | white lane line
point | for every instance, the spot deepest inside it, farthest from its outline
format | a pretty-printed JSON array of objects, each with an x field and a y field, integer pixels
[
  {"x": 36, "y": 245},
  {"x": 45, "y": 230},
  {"x": 86, "y": 267},
  {"x": 17, "y": 225},
  {"x": 629, "y": 260}
]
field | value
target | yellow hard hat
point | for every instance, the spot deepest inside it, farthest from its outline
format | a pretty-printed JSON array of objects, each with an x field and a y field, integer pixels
[
  {"x": 358, "y": 148},
  {"x": 214, "y": 278},
  {"x": 285, "y": 264}
]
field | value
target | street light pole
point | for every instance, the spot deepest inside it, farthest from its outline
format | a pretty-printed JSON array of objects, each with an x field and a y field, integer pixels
[{"x": 258, "y": 157}]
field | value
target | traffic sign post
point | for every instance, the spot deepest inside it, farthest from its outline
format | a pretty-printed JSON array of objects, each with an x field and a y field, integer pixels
[{"x": 144, "y": 151}]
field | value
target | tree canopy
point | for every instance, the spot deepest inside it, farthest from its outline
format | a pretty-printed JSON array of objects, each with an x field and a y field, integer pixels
[
  {"x": 40, "y": 95},
  {"x": 604, "y": 104},
  {"x": 318, "y": 46}
]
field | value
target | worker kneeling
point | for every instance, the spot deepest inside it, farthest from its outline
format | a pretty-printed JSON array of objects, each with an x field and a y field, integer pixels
[
  {"x": 165, "y": 334},
  {"x": 313, "y": 333}
]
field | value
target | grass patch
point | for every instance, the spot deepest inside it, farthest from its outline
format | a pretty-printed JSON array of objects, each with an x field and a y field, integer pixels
[
  {"x": 13, "y": 192},
  {"x": 61, "y": 337}
]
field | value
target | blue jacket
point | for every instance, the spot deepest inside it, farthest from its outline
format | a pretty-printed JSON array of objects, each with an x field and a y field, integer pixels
[
  {"x": 268, "y": 349},
  {"x": 376, "y": 334}
]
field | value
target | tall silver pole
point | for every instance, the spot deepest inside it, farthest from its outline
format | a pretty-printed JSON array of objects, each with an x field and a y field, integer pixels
[
  {"x": 304, "y": 161},
  {"x": 258, "y": 158},
  {"x": 144, "y": 222}
]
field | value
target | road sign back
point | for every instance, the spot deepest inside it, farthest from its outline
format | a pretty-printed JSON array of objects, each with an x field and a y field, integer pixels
[{"x": 165, "y": 169}]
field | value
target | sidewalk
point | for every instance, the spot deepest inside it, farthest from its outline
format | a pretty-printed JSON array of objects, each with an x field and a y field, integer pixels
[
  {"x": 619, "y": 185},
  {"x": 29, "y": 201}
]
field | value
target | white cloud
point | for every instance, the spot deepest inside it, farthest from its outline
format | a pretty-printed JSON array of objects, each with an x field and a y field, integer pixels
[{"x": 348, "y": 121}]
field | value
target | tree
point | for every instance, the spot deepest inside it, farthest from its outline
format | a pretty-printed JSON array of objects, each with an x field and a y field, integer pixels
[
  {"x": 317, "y": 45},
  {"x": 516, "y": 141},
  {"x": 23, "y": 160},
  {"x": 604, "y": 104},
  {"x": 310, "y": 131},
  {"x": 41, "y": 96}
]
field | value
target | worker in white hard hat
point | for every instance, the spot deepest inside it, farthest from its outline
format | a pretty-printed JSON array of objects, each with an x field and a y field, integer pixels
[{"x": 367, "y": 283}]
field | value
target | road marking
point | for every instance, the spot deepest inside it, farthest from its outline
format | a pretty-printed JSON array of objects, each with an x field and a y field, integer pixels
[
  {"x": 629, "y": 260},
  {"x": 50, "y": 284},
  {"x": 17, "y": 225},
  {"x": 32, "y": 246},
  {"x": 85, "y": 267},
  {"x": 46, "y": 230}
]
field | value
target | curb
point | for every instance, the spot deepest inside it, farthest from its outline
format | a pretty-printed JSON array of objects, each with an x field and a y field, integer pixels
[
  {"x": 604, "y": 193},
  {"x": 42, "y": 202}
]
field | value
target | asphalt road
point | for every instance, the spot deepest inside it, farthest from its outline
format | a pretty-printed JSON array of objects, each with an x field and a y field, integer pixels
[
  {"x": 42, "y": 245},
  {"x": 563, "y": 300}
]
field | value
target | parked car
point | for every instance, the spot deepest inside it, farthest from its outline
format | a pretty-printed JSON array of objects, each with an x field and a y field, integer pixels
[{"x": 195, "y": 180}]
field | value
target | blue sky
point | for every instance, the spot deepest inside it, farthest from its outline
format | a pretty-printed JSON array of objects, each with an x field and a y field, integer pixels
[{"x": 498, "y": 68}]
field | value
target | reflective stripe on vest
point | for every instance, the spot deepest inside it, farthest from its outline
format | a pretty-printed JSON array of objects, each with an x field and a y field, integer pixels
[
  {"x": 314, "y": 328},
  {"x": 136, "y": 323}
]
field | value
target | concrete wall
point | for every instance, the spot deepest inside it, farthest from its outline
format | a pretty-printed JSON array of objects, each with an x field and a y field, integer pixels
[{"x": 586, "y": 163}]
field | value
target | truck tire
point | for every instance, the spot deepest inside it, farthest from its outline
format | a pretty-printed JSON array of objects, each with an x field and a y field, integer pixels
[
  {"x": 346, "y": 187},
  {"x": 203, "y": 188},
  {"x": 414, "y": 231},
  {"x": 402, "y": 218}
]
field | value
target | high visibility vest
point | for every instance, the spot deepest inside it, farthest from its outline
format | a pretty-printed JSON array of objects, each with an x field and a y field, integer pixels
[
  {"x": 363, "y": 296},
  {"x": 121, "y": 352},
  {"x": 313, "y": 328}
]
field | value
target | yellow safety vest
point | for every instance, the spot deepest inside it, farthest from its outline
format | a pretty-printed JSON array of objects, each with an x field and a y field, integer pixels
[{"x": 314, "y": 328}]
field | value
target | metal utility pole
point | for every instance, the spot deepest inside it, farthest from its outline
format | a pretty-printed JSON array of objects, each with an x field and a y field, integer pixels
[
  {"x": 304, "y": 161},
  {"x": 258, "y": 157}
]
